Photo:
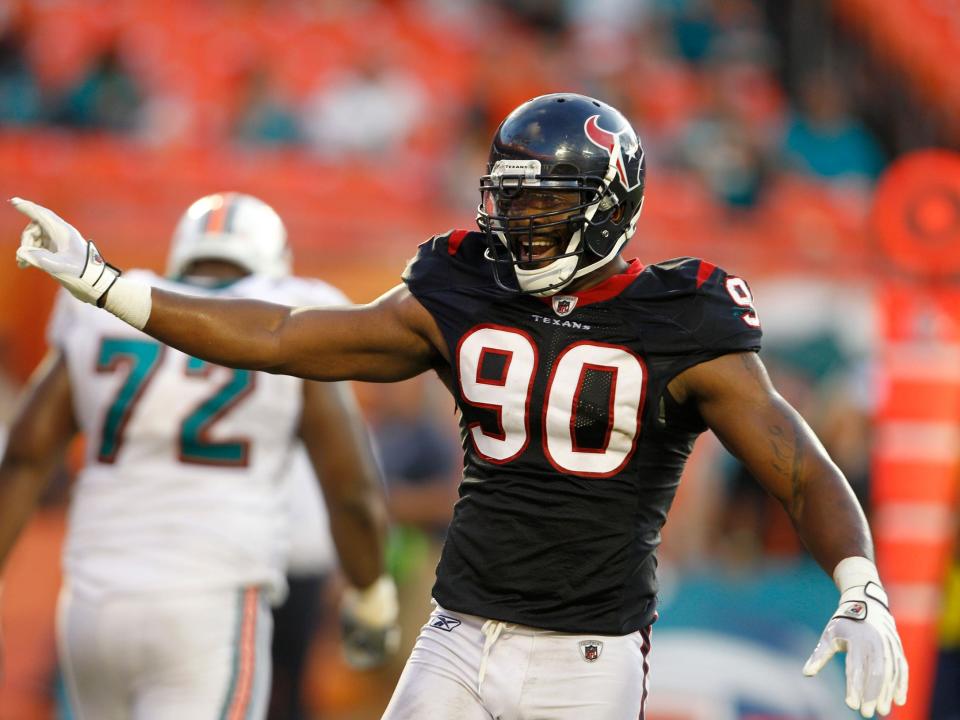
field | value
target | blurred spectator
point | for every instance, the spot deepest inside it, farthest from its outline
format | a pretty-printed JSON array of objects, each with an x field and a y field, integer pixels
[
  {"x": 692, "y": 26},
  {"x": 106, "y": 97},
  {"x": 731, "y": 161},
  {"x": 264, "y": 116},
  {"x": 730, "y": 150},
  {"x": 20, "y": 99},
  {"x": 369, "y": 109},
  {"x": 731, "y": 139},
  {"x": 740, "y": 33},
  {"x": 825, "y": 139},
  {"x": 167, "y": 118},
  {"x": 704, "y": 30},
  {"x": 617, "y": 16}
]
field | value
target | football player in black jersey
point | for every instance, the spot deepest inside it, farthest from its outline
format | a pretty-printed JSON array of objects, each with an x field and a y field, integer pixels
[{"x": 582, "y": 380}]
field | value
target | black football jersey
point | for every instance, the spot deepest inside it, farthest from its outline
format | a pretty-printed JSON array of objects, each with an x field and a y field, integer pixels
[{"x": 573, "y": 449}]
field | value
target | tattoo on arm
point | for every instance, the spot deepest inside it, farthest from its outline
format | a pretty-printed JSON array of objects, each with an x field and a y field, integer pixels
[
  {"x": 789, "y": 461},
  {"x": 789, "y": 453},
  {"x": 777, "y": 432}
]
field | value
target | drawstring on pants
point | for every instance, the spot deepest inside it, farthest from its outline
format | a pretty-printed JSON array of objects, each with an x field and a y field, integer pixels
[{"x": 491, "y": 630}]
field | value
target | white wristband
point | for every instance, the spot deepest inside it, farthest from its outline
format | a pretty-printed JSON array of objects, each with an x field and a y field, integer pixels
[
  {"x": 375, "y": 605},
  {"x": 130, "y": 300},
  {"x": 855, "y": 572}
]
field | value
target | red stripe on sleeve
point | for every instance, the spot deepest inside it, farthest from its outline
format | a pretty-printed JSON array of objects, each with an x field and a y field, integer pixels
[
  {"x": 704, "y": 272},
  {"x": 456, "y": 237}
]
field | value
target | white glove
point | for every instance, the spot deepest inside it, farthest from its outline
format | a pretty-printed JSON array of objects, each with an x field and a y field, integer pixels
[
  {"x": 863, "y": 627},
  {"x": 53, "y": 245},
  {"x": 368, "y": 622}
]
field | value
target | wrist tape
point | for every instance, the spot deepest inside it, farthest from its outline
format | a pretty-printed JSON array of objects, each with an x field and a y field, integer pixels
[{"x": 130, "y": 300}]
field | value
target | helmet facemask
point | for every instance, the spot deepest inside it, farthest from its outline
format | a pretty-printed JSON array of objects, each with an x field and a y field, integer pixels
[{"x": 546, "y": 230}]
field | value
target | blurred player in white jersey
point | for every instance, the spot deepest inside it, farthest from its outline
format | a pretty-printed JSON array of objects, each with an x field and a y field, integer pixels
[{"x": 177, "y": 538}]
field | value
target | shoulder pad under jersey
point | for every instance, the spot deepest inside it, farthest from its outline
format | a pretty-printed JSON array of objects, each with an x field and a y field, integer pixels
[
  {"x": 454, "y": 261},
  {"x": 714, "y": 307}
]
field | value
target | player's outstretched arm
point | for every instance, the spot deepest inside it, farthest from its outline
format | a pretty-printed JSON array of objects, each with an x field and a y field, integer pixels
[
  {"x": 38, "y": 439},
  {"x": 389, "y": 339},
  {"x": 737, "y": 400},
  {"x": 383, "y": 341}
]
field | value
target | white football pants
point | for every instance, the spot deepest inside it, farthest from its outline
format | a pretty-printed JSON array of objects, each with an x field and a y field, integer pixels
[
  {"x": 200, "y": 656},
  {"x": 468, "y": 668}
]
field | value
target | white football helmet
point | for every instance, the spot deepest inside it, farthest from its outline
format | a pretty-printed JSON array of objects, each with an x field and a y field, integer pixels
[{"x": 233, "y": 227}]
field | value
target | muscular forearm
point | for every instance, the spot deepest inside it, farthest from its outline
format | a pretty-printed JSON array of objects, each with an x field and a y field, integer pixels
[
  {"x": 829, "y": 520},
  {"x": 264, "y": 336},
  {"x": 235, "y": 333},
  {"x": 359, "y": 532},
  {"x": 796, "y": 469}
]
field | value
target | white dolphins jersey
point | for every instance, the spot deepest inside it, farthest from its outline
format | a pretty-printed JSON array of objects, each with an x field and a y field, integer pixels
[{"x": 183, "y": 484}]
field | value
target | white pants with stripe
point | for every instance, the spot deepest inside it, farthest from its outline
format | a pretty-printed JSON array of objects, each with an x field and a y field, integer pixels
[
  {"x": 202, "y": 656},
  {"x": 468, "y": 668}
]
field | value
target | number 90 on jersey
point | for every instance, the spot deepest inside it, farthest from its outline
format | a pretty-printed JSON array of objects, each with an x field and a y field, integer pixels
[{"x": 509, "y": 394}]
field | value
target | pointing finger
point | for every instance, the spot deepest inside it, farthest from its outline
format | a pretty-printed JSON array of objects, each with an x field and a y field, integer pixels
[
  {"x": 46, "y": 218},
  {"x": 26, "y": 207}
]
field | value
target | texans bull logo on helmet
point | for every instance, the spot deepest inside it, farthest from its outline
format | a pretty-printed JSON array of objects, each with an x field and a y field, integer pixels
[{"x": 627, "y": 160}]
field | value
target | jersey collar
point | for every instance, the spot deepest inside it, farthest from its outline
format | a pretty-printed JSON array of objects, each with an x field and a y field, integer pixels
[{"x": 609, "y": 288}]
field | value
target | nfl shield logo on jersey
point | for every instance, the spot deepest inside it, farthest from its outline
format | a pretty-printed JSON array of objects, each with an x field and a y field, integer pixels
[
  {"x": 564, "y": 304},
  {"x": 591, "y": 649}
]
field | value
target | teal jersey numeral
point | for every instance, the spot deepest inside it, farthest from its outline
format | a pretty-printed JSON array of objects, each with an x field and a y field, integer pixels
[
  {"x": 195, "y": 443},
  {"x": 143, "y": 357}
]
